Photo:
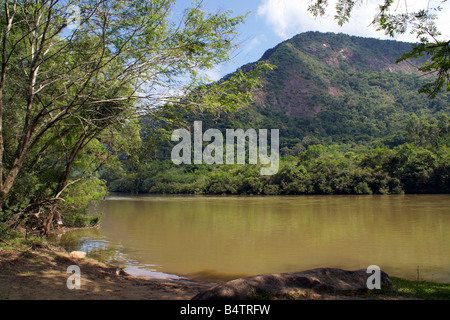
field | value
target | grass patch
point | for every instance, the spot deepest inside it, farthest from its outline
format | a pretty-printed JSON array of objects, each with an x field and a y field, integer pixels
[
  {"x": 401, "y": 289},
  {"x": 15, "y": 240},
  {"x": 419, "y": 289}
]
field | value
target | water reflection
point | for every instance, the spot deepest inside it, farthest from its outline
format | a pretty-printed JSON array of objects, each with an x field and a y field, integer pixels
[{"x": 220, "y": 238}]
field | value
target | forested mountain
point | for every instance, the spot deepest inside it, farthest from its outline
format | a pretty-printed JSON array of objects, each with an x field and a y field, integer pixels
[
  {"x": 351, "y": 120},
  {"x": 339, "y": 88}
]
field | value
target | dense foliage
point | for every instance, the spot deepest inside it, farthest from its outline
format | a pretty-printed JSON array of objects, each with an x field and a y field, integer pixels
[
  {"x": 74, "y": 79},
  {"x": 335, "y": 169}
]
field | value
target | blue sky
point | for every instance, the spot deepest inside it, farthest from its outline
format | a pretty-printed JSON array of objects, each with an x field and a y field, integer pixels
[{"x": 273, "y": 21}]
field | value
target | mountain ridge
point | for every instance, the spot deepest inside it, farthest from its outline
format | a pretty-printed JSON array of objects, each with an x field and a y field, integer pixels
[{"x": 324, "y": 79}]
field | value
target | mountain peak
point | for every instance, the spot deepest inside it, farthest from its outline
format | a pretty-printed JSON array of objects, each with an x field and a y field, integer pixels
[{"x": 337, "y": 48}]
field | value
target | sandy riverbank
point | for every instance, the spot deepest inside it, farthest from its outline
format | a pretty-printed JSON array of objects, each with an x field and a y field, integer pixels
[{"x": 41, "y": 274}]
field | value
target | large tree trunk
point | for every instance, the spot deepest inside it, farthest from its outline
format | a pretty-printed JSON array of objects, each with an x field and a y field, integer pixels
[
  {"x": 9, "y": 16},
  {"x": 21, "y": 154},
  {"x": 11, "y": 177},
  {"x": 1, "y": 140}
]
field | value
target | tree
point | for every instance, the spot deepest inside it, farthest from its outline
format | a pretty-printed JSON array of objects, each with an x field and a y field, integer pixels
[
  {"x": 74, "y": 72},
  {"x": 421, "y": 23}
]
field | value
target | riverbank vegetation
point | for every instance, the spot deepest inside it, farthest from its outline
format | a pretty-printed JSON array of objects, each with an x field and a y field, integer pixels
[
  {"x": 318, "y": 170},
  {"x": 419, "y": 165}
]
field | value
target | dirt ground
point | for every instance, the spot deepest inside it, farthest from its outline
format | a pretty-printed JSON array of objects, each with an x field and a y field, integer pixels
[{"x": 41, "y": 274}]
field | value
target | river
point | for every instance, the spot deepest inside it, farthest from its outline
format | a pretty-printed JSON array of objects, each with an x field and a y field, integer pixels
[{"x": 217, "y": 238}]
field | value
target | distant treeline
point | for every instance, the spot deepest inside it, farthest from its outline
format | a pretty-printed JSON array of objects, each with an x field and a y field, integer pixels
[
  {"x": 317, "y": 170},
  {"x": 420, "y": 164}
]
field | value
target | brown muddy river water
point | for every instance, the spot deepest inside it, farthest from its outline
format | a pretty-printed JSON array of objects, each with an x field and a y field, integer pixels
[{"x": 219, "y": 237}]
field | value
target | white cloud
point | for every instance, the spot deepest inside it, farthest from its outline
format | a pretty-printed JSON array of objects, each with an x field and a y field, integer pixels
[
  {"x": 290, "y": 17},
  {"x": 253, "y": 43}
]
